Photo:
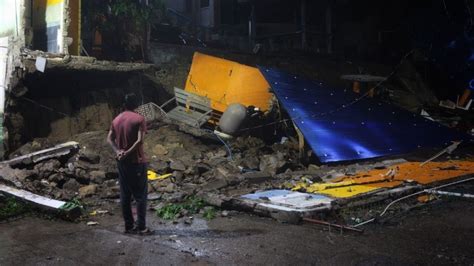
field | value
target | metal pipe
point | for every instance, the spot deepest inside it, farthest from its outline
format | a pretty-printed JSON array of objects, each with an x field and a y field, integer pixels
[
  {"x": 421, "y": 192},
  {"x": 333, "y": 225},
  {"x": 411, "y": 195},
  {"x": 448, "y": 193}
]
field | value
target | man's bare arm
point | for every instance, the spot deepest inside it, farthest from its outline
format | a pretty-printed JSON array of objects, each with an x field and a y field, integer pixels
[{"x": 111, "y": 141}]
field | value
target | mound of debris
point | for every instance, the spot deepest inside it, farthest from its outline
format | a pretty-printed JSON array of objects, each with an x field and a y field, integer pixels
[{"x": 196, "y": 164}]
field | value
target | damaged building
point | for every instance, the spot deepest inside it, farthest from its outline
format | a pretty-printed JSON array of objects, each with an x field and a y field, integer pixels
[{"x": 270, "y": 124}]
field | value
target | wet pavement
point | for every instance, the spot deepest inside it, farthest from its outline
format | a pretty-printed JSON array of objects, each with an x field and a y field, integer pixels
[{"x": 441, "y": 233}]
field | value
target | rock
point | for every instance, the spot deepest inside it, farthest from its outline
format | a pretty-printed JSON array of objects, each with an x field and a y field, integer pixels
[
  {"x": 225, "y": 213},
  {"x": 159, "y": 166},
  {"x": 57, "y": 178},
  {"x": 111, "y": 192},
  {"x": 174, "y": 197},
  {"x": 202, "y": 168},
  {"x": 154, "y": 196},
  {"x": 87, "y": 191},
  {"x": 256, "y": 177},
  {"x": 90, "y": 157},
  {"x": 177, "y": 166},
  {"x": 215, "y": 185},
  {"x": 188, "y": 220},
  {"x": 313, "y": 168},
  {"x": 159, "y": 150},
  {"x": 250, "y": 162},
  {"x": 273, "y": 163},
  {"x": 97, "y": 177},
  {"x": 110, "y": 183},
  {"x": 189, "y": 188},
  {"x": 170, "y": 188},
  {"x": 46, "y": 168},
  {"x": 213, "y": 199},
  {"x": 227, "y": 172},
  {"x": 178, "y": 176},
  {"x": 72, "y": 185},
  {"x": 286, "y": 217},
  {"x": 82, "y": 176},
  {"x": 16, "y": 176},
  {"x": 111, "y": 175}
]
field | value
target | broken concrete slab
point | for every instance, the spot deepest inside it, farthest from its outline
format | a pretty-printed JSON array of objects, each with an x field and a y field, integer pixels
[
  {"x": 285, "y": 205},
  {"x": 15, "y": 176},
  {"x": 81, "y": 63},
  {"x": 35, "y": 157},
  {"x": 44, "y": 203}
]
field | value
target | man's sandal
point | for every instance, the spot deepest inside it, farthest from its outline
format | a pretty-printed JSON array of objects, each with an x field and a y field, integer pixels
[
  {"x": 131, "y": 231},
  {"x": 145, "y": 232}
]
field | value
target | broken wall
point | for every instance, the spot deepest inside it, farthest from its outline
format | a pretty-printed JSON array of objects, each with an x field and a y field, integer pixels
[
  {"x": 12, "y": 38},
  {"x": 61, "y": 103}
]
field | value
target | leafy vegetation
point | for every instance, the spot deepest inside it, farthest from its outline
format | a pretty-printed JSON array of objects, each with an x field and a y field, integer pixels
[
  {"x": 191, "y": 205},
  {"x": 12, "y": 207},
  {"x": 209, "y": 213},
  {"x": 124, "y": 24}
]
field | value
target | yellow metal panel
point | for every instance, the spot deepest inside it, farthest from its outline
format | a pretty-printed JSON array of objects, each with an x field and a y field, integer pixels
[
  {"x": 368, "y": 181},
  {"x": 343, "y": 189},
  {"x": 225, "y": 82},
  {"x": 345, "y": 192}
]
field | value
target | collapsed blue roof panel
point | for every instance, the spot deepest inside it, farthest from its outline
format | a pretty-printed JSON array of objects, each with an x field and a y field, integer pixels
[{"x": 340, "y": 127}]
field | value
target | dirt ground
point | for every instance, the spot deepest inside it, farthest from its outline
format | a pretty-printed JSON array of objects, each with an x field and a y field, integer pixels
[{"x": 437, "y": 234}]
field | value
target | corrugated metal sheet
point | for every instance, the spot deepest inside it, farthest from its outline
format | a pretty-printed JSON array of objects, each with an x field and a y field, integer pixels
[
  {"x": 338, "y": 127},
  {"x": 226, "y": 82}
]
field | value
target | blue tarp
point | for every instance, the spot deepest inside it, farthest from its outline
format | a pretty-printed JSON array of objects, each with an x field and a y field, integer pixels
[{"x": 339, "y": 127}]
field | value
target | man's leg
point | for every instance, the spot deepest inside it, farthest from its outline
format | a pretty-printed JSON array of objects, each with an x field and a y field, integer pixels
[
  {"x": 140, "y": 192},
  {"x": 125, "y": 195}
]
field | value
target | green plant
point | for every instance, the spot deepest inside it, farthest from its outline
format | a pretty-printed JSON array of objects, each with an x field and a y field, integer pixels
[
  {"x": 126, "y": 24},
  {"x": 209, "y": 213},
  {"x": 75, "y": 202},
  {"x": 11, "y": 207},
  {"x": 169, "y": 211},
  {"x": 191, "y": 204},
  {"x": 194, "y": 204}
]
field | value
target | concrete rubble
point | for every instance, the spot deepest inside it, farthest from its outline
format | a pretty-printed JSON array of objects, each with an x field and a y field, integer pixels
[{"x": 85, "y": 169}]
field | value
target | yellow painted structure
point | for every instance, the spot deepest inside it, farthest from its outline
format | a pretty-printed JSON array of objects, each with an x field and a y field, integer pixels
[
  {"x": 225, "y": 82},
  {"x": 369, "y": 181}
]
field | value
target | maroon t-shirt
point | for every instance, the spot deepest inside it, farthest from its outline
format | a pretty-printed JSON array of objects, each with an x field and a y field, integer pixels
[{"x": 125, "y": 128}]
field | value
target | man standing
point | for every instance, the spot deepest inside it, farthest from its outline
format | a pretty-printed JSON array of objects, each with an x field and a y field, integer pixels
[{"x": 126, "y": 138}]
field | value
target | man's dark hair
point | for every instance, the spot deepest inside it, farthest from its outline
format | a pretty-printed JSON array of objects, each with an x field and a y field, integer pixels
[{"x": 131, "y": 102}]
